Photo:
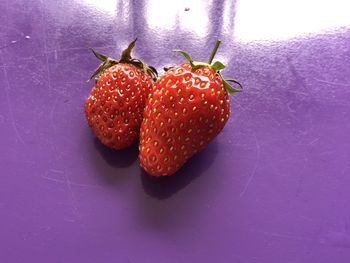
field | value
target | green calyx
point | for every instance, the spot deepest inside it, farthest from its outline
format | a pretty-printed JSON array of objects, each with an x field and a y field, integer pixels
[
  {"x": 124, "y": 58},
  {"x": 217, "y": 66}
]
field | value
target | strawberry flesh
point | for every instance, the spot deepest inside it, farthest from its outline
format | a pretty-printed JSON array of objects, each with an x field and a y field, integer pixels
[
  {"x": 115, "y": 104},
  {"x": 184, "y": 111}
]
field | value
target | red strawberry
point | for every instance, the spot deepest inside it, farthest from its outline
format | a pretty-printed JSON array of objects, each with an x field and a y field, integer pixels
[
  {"x": 187, "y": 107},
  {"x": 115, "y": 104}
]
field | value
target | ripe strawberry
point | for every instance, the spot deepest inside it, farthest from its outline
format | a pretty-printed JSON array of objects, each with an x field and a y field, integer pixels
[
  {"x": 187, "y": 107},
  {"x": 115, "y": 104}
]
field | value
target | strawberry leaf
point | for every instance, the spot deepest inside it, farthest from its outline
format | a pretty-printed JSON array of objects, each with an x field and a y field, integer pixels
[
  {"x": 140, "y": 64},
  {"x": 199, "y": 64},
  {"x": 126, "y": 54},
  {"x": 109, "y": 62},
  {"x": 235, "y": 81},
  {"x": 229, "y": 87},
  {"x": 98, "y": 71},
  {"x": 187, "y": 56},
  {"x": 99, "y": 55},
  {"x": 217, "y": 65}
]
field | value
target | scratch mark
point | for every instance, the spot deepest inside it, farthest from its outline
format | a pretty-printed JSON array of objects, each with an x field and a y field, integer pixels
[
  {"x": 297, "y": 76},
  {"x": 46, "y": 228},
  {"x": 13, "y": 28},
  {"x": 85, "y": 185},
  {"x": 9, "y": 44},
  {"x": 69, "y": 220},
  {"x": 60, "y": 181},
  {"x": 289, "y": 107},
  {"x": 298, "y": 92},
  {"x": 74, "y": 198},
  {"x": 56, "y": 51},
  {"x": 282, "y": 217},
  {"x": 314, "y": 141},
  {"x": 306, "y": 218},
  {"x": 326, "y": 153},
  {"x": 332, "y": 83},
  {"x": 57, "y": 171},
  {"x": 16, "y": 40},
  {"x": 77, "y": 48},
  {"x": 13, "y": 121},
  {"x": 271, "y": 117},
  {"x": 52, "y": 111},
  {"x": 301, "y": 177},
  {"x": 240, "y": 106},
  {"x": 70, "y": 49},
  {"x": 53, "y": 179},
  {"x": 285, "y": 236},
  {"x": 48, "y": 72},
  {"x": 66, "y": 181},
  {"x": 55, "y": 54},
  {"x": 73, "y": 82},
  {"x": 257, "y": 145}
]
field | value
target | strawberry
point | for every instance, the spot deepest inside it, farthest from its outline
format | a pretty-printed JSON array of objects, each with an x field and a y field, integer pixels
[
  {"x": 188, "y": 106},
  {"x": 115, "y": 104}
]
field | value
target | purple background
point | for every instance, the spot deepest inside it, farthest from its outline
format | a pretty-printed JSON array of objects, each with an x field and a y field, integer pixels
[{"x": 273, "y": 187}]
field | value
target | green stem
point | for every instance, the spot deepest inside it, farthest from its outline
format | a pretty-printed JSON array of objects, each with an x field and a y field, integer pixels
[
  {"x": 126, "y": 54},
  {"x": 215, "y": 49}
]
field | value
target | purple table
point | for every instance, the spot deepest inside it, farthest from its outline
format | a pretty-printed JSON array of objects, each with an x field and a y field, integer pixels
[{"x": 273, "y": 187}]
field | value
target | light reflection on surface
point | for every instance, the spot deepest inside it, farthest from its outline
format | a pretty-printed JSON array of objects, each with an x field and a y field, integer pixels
[
  {"x": 163, "y": 15},
  {"x": 228, "y": 17},
  {"x": 106, "y": 6},
  {"x": 281, "y": 20}
]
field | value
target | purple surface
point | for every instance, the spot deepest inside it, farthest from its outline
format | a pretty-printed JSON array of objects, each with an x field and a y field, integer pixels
[{"x": 273, "y": 187}]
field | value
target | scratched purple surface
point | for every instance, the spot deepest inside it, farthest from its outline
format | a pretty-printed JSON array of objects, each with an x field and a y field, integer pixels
[{"x": 273, "y": 187}]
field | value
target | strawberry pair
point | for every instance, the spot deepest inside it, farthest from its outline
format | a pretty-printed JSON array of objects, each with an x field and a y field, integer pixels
[{"x": 175, "y": 116}]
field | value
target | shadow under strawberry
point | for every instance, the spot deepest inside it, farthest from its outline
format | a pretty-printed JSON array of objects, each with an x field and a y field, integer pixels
[
  {"x": 165, "y": 186},
  {"x": 117, "y": 158}
]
